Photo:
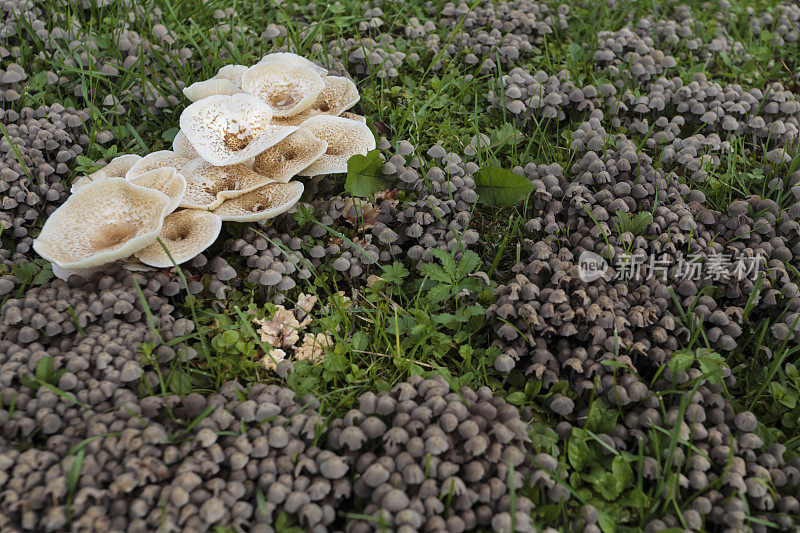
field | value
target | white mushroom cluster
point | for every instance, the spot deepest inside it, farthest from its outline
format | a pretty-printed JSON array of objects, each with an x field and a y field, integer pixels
[{"x": 248, "y": 132}]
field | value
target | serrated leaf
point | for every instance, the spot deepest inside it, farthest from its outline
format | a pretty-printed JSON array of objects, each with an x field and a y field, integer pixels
[
  {"x": 364, "y": 174},
  {"x": 680, "y": 361},
  {"x": 447, "y": 260},
  {"x": 470, "y": 261},
  {"x": 502, "y": 188}
]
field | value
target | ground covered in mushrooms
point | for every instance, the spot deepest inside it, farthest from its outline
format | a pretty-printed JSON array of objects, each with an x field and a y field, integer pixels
[{"x": 560, "y": 294}]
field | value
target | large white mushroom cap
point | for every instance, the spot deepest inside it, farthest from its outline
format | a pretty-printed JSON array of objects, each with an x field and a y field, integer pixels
[
  {"x": 186, "y": 234},
  {"x": 287, "y": 158},
  {"x": 105, "y": 220},
  {"x": 263, "y": 203},
  {"x": 345, "y": 139},
  {"x": 287, "y": 89},
  {"x": 226, "y": 130},
  {"x": 208, "y": 185},
  {"x": 289, "y": 58}
]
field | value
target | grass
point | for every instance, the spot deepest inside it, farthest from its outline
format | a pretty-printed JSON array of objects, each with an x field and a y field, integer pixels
[{"x": 417, "y": 320}]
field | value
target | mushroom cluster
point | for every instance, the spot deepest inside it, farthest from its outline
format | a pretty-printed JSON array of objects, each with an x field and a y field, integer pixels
[{"x": 248, "y": 132}]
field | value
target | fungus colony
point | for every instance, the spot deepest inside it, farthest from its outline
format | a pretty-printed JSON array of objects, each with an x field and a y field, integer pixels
[
  {"x": 248, "y": 132},
  {"x": 423, "y": 455}
]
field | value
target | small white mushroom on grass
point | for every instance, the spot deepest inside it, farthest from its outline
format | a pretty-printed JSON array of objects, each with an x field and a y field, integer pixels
[
  {"x": 345, "y": 139},
  {"x": 208, "y": 186},
  {"x": 154, "y": 160},
  {"x": 290, "y": 156},
  {"x": 228, "y": 80},
  {"x": 225, "y": 130},
  {"x": 263, "y": 203},
  {"x": 287, "y": 89},
  {"x": 105, "y": 220},
  {"x": 185, "y": 234}
]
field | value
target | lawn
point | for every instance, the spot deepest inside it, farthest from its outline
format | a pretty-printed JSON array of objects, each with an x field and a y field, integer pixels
[{"x": 561, "y": 292}]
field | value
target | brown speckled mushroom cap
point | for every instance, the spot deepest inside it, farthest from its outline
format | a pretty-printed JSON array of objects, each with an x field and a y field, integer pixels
[
  {"x": 208, "y": 185},
  {"x": 339, "y": 94},
  {"x": 290, "y": 156},
  {"x": 263, "y": 203},
  {"x": 287, "y": 89},
  {"x": 182, "y": 146},
  {"x": 185, "y": 233},
  {"x": 167, "y": 180},
  {"x": 105, "y": 220},
  {"x": 226, "y": 130},
  {"x": 345, "y": 138}
]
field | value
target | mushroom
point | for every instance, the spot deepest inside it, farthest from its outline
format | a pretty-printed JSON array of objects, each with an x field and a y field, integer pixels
[
  {"x": 287, "y": 89},
  {"x": 354, "y": 116},
  {"x": 116, "y": 168},
  {"x": 293, "y": 154},
  {"x": 228, "y": 80},
  {"x": 185, "y": 234},
  {"x": 182, "y": 146},
  {"x": 338, "y": 95},
  {"x": 226, "y": 130},
  {"x": 105, "y": 220},
  {"x": 207, "y": 186},
  {"x": 263, "y": 203},
  {"x": 154, "y": 160},
  {"x": 345, "y": 138},
  {"x": 166, "y": 180},
  {"x": 290, "y": 58}
]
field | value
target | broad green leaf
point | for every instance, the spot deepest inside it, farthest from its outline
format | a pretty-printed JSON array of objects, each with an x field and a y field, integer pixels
[
  {"x": 500, "y": 187},
  {"x": 364, "y": 174},
  {"x": 622, "y": 471},
  {"x": 516, "y": 398},
  {"x": 600, "y": 418}
]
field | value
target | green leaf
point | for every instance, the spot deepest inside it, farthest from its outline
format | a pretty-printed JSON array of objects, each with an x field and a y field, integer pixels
[
  {"x": 635, "y": 225},
  {"x": 622, "y": 470},
  {"x": 607, "y": 523},
  {"x": 395, "y": 273},
  {"x": 500, "y": 187},
  {"x": 516, "y": 398},
  {"x": 470, "y": 262},
  {"x": 447, "y": 260},
  {"x": 169, "y": 135},
  {"x": 608, "y": 486},
  {"x": 359, "y": 340},
  {"x": 336, "y": 363},
  {"x": 364, "y": 174},
  {"x": 600, "y": 418},
  {"x": 435, "y": 272},
  {"x": 680, "y": 361}
]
